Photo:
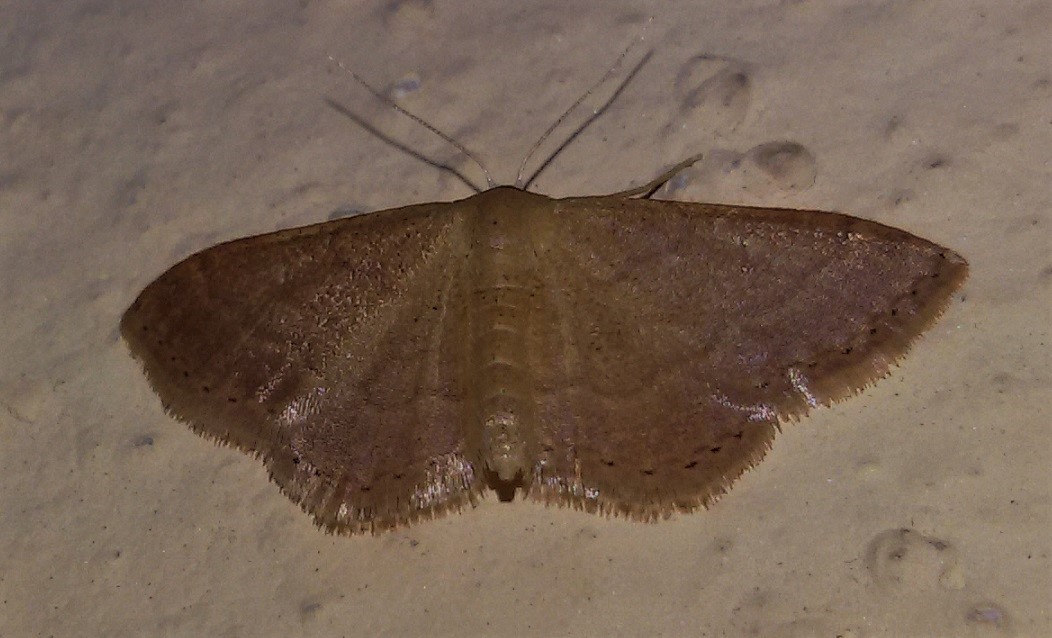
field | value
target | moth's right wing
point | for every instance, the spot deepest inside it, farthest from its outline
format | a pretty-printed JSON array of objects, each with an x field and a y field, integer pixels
[{"x": 678, "y": 335}]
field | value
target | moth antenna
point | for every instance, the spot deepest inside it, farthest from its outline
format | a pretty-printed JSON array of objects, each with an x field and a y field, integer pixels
[
  {"x": 596, "y": 114},
  {"x": 405, "y": 148},
  {"x": 519, "y": 183},
  {"x": 419, "y": 120}
]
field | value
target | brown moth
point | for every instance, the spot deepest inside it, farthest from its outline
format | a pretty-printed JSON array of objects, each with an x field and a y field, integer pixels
[{"x": 612, "y": 353}]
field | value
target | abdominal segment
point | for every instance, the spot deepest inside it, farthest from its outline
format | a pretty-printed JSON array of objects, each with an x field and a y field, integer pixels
[{"x": 504, "y": 385}]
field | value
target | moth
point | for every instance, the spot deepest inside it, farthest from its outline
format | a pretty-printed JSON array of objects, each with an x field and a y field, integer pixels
[{"x": 611, "y": 353}]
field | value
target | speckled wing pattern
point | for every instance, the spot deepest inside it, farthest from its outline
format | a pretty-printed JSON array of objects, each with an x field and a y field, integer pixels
[
  {"x": 331, "y": 352},
  {"x": 673, "y": 338}
]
